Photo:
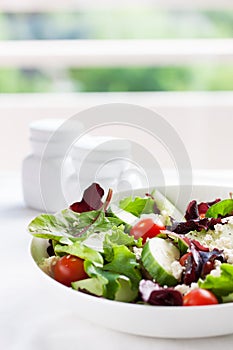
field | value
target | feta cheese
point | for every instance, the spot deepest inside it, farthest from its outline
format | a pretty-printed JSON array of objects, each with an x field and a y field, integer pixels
[
  {"x": 228, "y": 254},
  {"x": 138, "y": 252},
  {"x": 221, "y": 237},
  {"x": 207, "y": 239},
  {"x": 217, "y": 263},
  {"x": 223, "y": 243},
  {"x": 218, "y": 228},
  {"x": 228, "y": 220},
  {"x": 184, "y": 289},
  {"x": 216, "y": 272}
]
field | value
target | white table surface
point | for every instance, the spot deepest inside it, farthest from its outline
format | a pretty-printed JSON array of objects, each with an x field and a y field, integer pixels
[{"x": 29, "y": 322}]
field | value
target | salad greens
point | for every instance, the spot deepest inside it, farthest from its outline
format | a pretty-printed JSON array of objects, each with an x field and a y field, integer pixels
[
  {"x": 80, "y": 250},
  {"x": 221, "y": 285},
  {"x": 108, "y": 284},
  {"x": 221, "y": 208},
  {"x": 137, "y": 206},
  {"x": 120, "y": 268},
  {"x": 154, "y": 202},
  {"x": 69, "y": 224},
  {"x": 118, "y": 246}
]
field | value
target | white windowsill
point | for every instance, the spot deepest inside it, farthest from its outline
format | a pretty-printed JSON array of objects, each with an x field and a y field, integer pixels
[{"x": 113, "y": 53}]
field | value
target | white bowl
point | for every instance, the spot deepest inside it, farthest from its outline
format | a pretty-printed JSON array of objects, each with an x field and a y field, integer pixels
[{"x": 145, "y": 320}]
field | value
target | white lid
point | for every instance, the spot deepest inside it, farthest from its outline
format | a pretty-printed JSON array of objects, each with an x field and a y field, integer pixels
[
  {"x": 100, "y": 149},
  {"x": 43, "y": 129}
]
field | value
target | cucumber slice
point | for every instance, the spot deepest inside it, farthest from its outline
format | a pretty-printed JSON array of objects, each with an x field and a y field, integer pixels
[
  {"x": 123, "y": 215},
  {"x": 138, "y": 205},
  {"x": 164, "y": 204},
  {"x": 157, "y": 257},
  {"x": 179, "y": 242}
]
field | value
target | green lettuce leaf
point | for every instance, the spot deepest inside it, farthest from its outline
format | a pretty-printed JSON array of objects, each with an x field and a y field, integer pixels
[
  {"x": 80, "y": 250},
  {"x": 117, "y": 221},
  {"x": 119, "y": 278},
  {"x": 138, "y": 205},
  {"x": 108, "y": 280},
  {"x": 117, "y": 236},
  {"x": 220, "y": 285},
  {"x": 110, "y": 285},
  {"x": 124, "y": 262},
  {"x": 228, "y": 298},
  {"x": 95, "y": 285},
  {"x": 223, "y": 208},
  {"x": 70, "y": 225}
]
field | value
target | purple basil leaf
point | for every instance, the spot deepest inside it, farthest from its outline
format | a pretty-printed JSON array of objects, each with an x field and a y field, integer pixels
[{"x": 153, "y": 294}]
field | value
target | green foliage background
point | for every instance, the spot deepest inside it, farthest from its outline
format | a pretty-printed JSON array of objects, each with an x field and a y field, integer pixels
[{"x": 136, "y": 23}]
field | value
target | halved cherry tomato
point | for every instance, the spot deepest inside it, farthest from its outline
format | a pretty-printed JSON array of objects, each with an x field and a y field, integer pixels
[
  {"x": 199, "y": 296},
  {"x": 69, "y": 269},
  {"x": 146, "y": 228}
]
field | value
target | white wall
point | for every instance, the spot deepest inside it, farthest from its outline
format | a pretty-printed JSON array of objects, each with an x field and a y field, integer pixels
[{"x": 204, "y": 121}]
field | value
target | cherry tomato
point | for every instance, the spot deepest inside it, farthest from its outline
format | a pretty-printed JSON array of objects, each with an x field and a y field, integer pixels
[
  {"x": 184, "y": 258},
  {"x": 199, "y": 296},
  {"x": 69, "y": 269},
  {"x": 146, "y": 228}
]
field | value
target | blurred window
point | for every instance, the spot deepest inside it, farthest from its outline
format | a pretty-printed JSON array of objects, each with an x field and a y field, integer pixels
[{"x": 78, "y": 20}]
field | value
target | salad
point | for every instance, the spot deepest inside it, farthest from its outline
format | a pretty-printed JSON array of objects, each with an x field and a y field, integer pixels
[{"x": 141, "y": 251}]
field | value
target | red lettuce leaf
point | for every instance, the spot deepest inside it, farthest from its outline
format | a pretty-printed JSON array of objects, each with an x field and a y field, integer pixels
[
  {"x": 153, "y": 294},
  {"x": 203, "y": 207},
  {"x": 190, "y": 274},
  {"x": 199, "y": 246},
  {"x": 192, "y": 211},
  {"x": 194, "y": 225},
  {"x": 92, "y": 199},
  {"x": 200, "y": 262},
  {"x": 195, "y": 211}
]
